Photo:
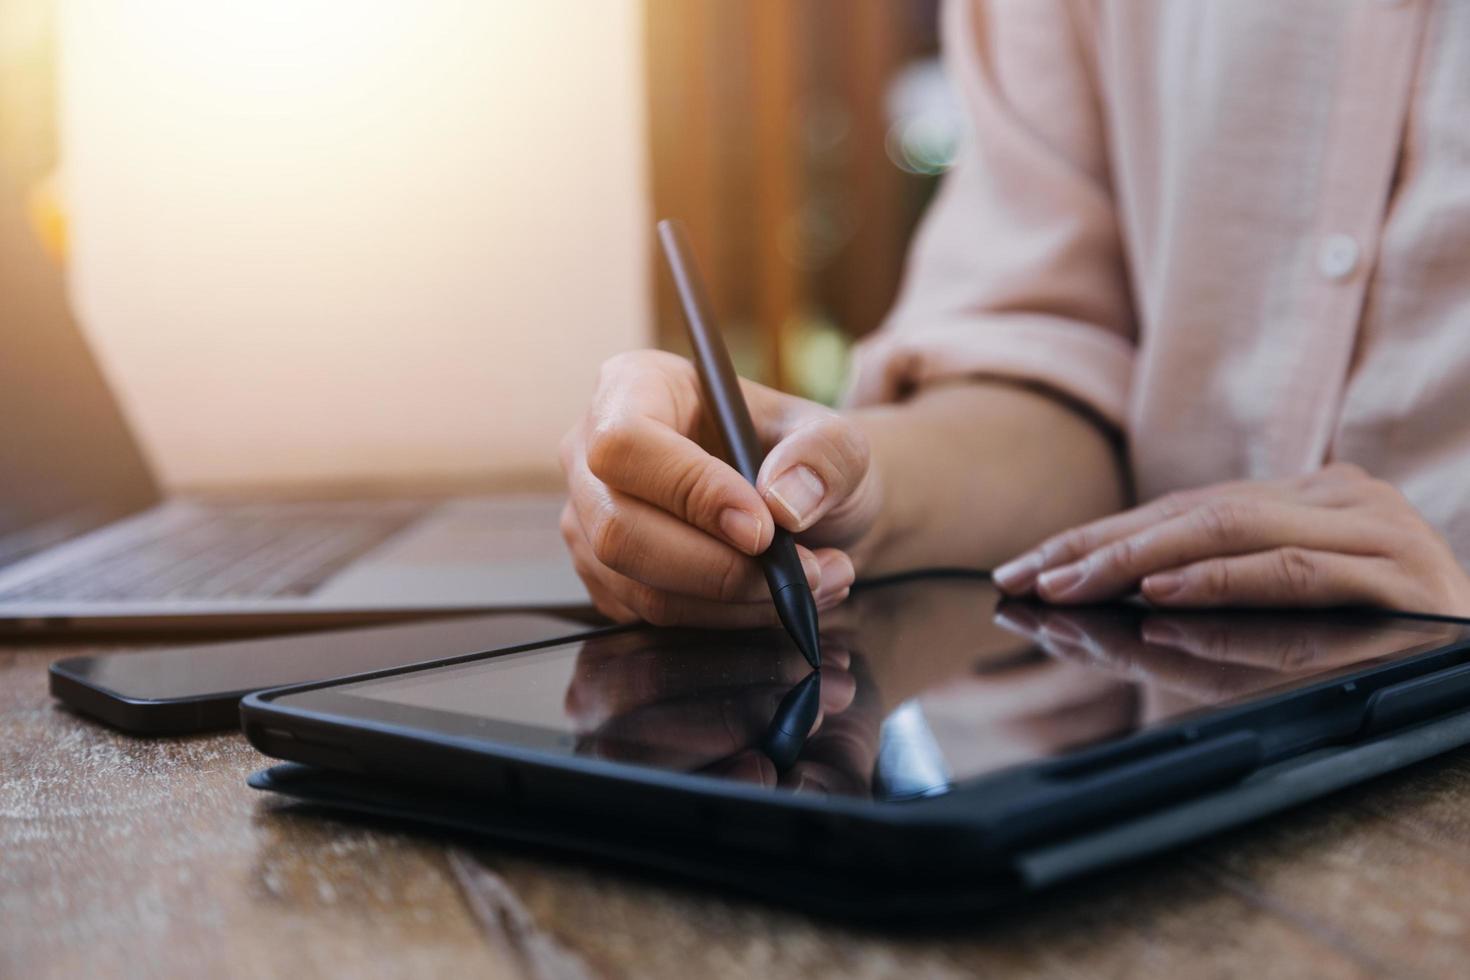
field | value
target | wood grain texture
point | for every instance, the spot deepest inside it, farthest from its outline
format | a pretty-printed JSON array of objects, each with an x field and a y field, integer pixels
[
  {"x": 150, "y": 857},
  {"x": 142, "y": 857}
]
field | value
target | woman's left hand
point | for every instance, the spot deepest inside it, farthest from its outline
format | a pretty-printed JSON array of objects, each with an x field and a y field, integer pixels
[{"x": 1334, "y": 537}]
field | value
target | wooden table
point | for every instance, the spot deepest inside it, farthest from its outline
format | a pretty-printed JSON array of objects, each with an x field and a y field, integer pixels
[{"x": 150, "y": 857}]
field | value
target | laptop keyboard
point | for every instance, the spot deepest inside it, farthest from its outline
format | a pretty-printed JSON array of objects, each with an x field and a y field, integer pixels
[{"x": 244, "y": 552}]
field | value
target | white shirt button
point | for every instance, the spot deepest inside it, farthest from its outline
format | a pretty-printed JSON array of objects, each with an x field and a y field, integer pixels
[{"x": 1337, "y": 256}]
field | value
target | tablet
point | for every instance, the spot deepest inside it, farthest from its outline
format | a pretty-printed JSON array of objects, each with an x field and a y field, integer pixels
[{"x": 948, "y": 740}]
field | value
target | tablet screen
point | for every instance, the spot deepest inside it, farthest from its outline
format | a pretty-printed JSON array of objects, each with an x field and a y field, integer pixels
[{"x": 925, "y": 684}]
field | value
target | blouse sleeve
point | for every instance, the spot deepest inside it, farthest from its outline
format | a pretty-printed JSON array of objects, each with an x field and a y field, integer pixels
[{"x": 1018, "y": 269}]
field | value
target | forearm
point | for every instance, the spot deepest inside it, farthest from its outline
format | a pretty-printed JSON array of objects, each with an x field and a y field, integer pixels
[{"x": 974, "y": 473}]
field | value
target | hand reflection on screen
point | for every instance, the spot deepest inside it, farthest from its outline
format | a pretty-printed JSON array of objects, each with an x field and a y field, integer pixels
[
  {"x": 1026, "y": 707},
  {"x": 709, "y": 703},
  {"x": 1182, "y": 661},
  {"x": 981, "y": 686},
  {"x": 987, "y": 697}
]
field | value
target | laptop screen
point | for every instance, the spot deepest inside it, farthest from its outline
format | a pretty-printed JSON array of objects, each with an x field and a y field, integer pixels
[{"x": 68, "y": 463}]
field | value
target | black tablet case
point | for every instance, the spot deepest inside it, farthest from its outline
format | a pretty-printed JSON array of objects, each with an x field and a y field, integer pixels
[{"x": 859, "y": 894}]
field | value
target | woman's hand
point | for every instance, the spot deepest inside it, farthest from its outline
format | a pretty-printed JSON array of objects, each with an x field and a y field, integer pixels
[
  {"x": 1334, "y": 537},
  {"x": 662, "y": 530}
]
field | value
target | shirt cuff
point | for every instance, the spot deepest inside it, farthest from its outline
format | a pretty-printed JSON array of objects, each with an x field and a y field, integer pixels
[{"x": 1082, "y": 362}]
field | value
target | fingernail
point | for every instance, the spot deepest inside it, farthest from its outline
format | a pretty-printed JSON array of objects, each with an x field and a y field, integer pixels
[
  {"x": 1163, "y": 585},
  {"x": 742, "y": 529},
  {"x": 1059, "y": 581},
  {"x": 1009, "y": 619},
  {"x": 1061, "y": 630},
  {"x": 1162, "y": 634},
  {"x": 837, "y": 570},
  {"x": 813, "y": 569},
  {"x": 837, "y": 576},
  {"x": 807, "y": 784},
  {"x": 1017, "y": 573},
  {"x": 798, "y": 491},
  {"x": 832, "y": 601},
  {"x": 834, "y": 655}
]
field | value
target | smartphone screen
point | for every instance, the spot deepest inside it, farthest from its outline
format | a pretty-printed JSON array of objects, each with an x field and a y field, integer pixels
[{"x": 925, "y": 685}]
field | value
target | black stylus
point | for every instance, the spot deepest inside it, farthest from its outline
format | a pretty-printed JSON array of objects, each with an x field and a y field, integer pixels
[{"x": 784, "y": 574}]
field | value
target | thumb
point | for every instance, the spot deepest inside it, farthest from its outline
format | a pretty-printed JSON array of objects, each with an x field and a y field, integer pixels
[{"x": 819, "y": 465}]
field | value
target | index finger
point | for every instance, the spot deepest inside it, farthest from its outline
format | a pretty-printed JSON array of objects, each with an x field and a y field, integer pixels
[{"x": 638, "y": 441}]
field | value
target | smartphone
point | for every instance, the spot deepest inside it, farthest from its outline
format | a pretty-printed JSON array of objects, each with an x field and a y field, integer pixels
[
  {"x": 946, "y": 734},
  {"x": 198, "y": 688}
]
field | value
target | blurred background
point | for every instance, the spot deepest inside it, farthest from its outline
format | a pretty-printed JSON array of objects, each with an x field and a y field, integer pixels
[{"x": 317, "y": 241}]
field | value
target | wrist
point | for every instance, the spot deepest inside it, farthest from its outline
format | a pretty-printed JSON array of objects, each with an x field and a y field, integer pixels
[
  {"x": 865, "y": 549},
  {"x": 889, "y": 524}
]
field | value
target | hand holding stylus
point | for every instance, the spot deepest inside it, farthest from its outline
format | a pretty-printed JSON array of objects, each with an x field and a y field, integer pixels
[{"x": 662, "y": 530}]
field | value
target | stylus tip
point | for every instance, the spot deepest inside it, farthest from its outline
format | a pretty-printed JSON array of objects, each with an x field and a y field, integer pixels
[
  {"x": 809, "y": 642},
  {"x": 798, "y": 612}
]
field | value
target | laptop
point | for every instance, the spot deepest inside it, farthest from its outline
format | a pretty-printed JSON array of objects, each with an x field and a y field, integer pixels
[{"x": 89, "y": 542}]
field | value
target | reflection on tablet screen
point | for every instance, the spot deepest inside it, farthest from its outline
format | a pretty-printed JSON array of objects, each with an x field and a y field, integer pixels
[{"x": 925, "y": 684}]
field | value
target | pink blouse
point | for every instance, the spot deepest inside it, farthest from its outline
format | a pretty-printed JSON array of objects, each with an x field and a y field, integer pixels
[{"x": 1237, "y": 230}]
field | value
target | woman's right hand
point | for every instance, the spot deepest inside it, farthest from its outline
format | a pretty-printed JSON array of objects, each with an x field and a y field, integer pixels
[{"x": 662, "y": 530}]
